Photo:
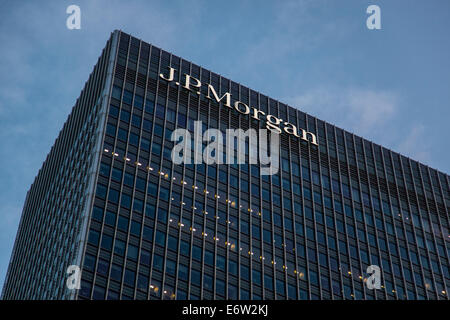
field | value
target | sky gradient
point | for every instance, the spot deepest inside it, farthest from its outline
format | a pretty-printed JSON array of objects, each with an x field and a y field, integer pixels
[{"x": 391, "y": 86}]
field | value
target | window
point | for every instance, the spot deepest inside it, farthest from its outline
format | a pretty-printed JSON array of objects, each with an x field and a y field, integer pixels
[
  {"x": 127, "y": 96},
  {"x": 173, "y": 243},
  {"x": 138, "y": 101},
  {"x": 129, "y": 277},
  {"x": 164, "y": 194},
  {"x": 160, "y": 238},
  {"x": 162, "y": 215},
  {"x": 183, "y": 272},
  {"x": 232, "y": 267},
  {"x": 104, "y": 169},
  {"x": 103, "y": 267},
  {"x": 138, "y": 205},
  {"x": 97, "y": 213},
  {"x": 195, "y": 277},
  {"x": 157, "y": 262},
  {"x": 110, "y": 129},
  {"x": 116, "y": 92},
  {"x": 171, "y": 115},
  {"x": 132, "y": 252},
  {"x": 123, "y": 224},
  {"x": 101, "y": 191},
  {"x": 134, "y": 139},
  {"x": 93, "y": 237},
  {"x": 160, "y": 111},
  {"x": 106, "y": 242},
  {"x": 245, "y": 272},
  {"x": 170, "y": 267},
  {"x": 268, "y": 282},
  {"x": 122, "y": 134},
  {"x": 209, "y": 258},
  {"x": 125, "y": 116},
  {"x": 207, "y": 282},
  {"x": 220, "y": 287},
  {"x": 119, "y": 247},
  {"x": 145, "y": 257},
  {"x": 89, "y": 262},
  {"x": 148, "y": 233},
  {"x": 256, "y": 277},
  {"x": 149, "y": 106},
  {"x": 196, "y": 253},
  {"x": 184, "y": 248},
  {"x": 281, "y": 288},
  {"x": 150, "y": 210},
  {"x": 142, "y": 282},
  {"x": 220, "y": 262},
  {"x": 135, "y": 228},
  {"x": 110, "y": 218},
  {"x": 116, "y": 272}
]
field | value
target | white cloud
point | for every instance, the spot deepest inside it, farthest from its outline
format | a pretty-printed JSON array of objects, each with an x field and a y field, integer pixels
[
  {"x": 376, "y": 115},
  {"x": 360, "y": 110},
  {"x": 414, "y": 144}
]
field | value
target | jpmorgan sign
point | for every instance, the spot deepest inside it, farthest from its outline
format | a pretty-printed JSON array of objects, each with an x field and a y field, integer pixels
[{"x": 273, "y": 123}]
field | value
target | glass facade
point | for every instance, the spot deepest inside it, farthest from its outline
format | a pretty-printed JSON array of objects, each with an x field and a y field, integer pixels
[{"x": 157, "y": 230}]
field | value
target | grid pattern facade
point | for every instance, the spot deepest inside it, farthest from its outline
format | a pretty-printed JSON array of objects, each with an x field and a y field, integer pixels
[
  {"x": 162, "y": 231},
  {"x": 49, "y": 237}
]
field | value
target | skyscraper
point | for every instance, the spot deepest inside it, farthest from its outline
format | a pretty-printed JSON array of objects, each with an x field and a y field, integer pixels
[{"x": 110, "y": 200}]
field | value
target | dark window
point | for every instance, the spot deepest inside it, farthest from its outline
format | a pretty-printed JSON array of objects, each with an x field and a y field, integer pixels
[
  {"x": 138, "y": 101},
  {"x": 129, "y": 277},
  {"x": 119, "y": 247},
  {"x": 135, "y": 228},
  {"x": 196, "y": 253},
  {"x": 107, "y": 242},
  {"x": 125, "y": 116},
  {"x": 101, "y": 191},
  {"x": 123, "y": 224},
  {"x": 183, "y": 272},
  {"x": 127, "y": 96},
  {"x": 110, "y": 129},
  {"x": 160, "y": 238},
  {"x": 110, "y": 218},
  {"x": 157, "y": 262},
  {"x": 93, "y": 237},
  {"x": 116, "y": 272},
  {"x": 97, "y": 213},
  {"x": 173, "y": 243},
  {"x": 116, "y": 92},
  {"x": 116, "y": 175},
  {"x": 148, "y": 233}
]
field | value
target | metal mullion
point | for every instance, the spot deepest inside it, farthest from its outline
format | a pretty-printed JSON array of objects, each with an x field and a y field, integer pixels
[
  {"x": 181, "y": 209},
  {"x": 441, "y": 226},
  {"x": 431, "y": 224},
  {"x": 394, "y": 176},
  {"x": 96, "y": 181},
  {"x": 325, "y": 138},
  {"x": 322, "y": 202},
  {"x": 343, "y": 201},
  {"x": 159, "y": 176},
  {"x": 413, "y": 228},
  {"x": 311, "y": 187},
  {"x": 383, "y": 221}
]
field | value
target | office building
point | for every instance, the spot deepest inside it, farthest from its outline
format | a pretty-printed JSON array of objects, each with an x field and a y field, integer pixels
[{"x": 109, "y": 199}]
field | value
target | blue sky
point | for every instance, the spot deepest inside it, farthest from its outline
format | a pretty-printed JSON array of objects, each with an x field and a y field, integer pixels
[{"x": 391, "y": 86}]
